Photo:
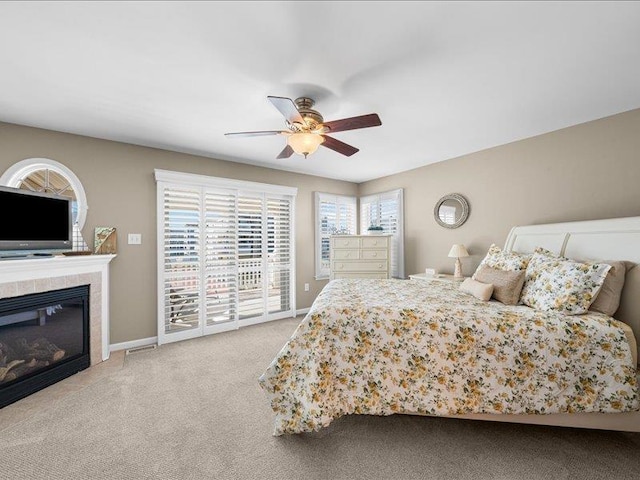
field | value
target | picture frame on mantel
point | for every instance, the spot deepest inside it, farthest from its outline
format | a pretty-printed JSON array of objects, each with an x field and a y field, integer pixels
[{"x": 105, "y": 240}]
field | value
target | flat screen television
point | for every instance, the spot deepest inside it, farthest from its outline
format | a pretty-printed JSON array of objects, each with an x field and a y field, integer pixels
[{"x": 33, "y": 222}]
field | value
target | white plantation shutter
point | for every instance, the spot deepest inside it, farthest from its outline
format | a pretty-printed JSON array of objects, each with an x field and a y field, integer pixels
[
  {"x": 386, "y": 210},
  {"x": 279, "y": 256},
  {"x": 181, "y": 260},
  {"x": 250, "y": 256},
  {"x": 335, "y": 214},
  {"x": 225, "y": 254},
  {"x": 221, "y": 256},
  {"x": 327, "y": 224}
]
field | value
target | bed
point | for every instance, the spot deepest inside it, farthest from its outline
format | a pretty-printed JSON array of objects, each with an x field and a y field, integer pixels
[{"x": 383, "y": 347}]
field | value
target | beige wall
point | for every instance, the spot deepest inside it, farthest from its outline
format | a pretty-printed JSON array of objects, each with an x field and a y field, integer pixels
[
  {"x": 121, "y": 192},
  {"x": 584, "y": 172}
]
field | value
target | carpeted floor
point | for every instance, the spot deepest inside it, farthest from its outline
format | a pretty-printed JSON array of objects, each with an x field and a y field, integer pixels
[{"x": 194, "y": 410}]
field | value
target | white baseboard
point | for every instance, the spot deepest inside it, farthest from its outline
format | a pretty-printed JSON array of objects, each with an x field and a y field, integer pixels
[
  {"x": 303, "y": 311},
  {"x": 256, "y": 320},
  {"x": 142, "y": 342}
]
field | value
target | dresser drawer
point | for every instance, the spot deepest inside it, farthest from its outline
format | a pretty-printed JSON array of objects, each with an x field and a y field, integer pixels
[
  {"x": 346, "y": 254},
  {"x": 373, "y": 254},
  {"x": 359, "y": 275},
  {"x": 360, "y": 266},
  {"x": 345, "y": 242},
  {"x": 373, "y": 242},
  {"x": 360, "y": 256}
]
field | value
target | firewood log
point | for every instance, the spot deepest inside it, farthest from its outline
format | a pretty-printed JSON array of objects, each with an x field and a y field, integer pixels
[
  {"x": 24, "y": 369},
  {"x": 6, "y": 354},
  {"x": 40, "y": 355},
  {"x": 31, "y": 364},
  {"x": 57, "y": 355},
  {"x": 5, "y": 370},
  {"x": 20, "y": 347},
  {"x": 40, "y": 349},
  {"x": 54, "y": 353}
]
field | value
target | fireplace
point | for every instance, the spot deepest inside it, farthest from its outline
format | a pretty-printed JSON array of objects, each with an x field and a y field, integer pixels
[{"x": 44, "y": 338}]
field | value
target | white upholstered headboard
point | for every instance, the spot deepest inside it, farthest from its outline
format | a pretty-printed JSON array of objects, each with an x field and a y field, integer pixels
[{"x": 610, "y": 239}]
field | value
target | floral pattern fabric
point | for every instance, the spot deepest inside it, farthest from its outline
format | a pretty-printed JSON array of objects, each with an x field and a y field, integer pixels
[
  {"x": 558, "y": 284},
  {"x": 502, "y": 260},
  {"x": 381, "y": 347}
]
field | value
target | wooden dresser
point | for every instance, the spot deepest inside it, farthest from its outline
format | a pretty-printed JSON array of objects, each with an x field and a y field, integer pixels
[{"x": 360, "y": 256}]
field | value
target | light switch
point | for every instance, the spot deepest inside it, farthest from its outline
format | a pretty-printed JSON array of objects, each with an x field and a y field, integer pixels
[{"x": 135, "y": 239}]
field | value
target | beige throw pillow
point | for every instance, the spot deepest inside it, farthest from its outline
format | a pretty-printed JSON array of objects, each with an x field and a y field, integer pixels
[
  {"x": 608, "y": 299},
  {"x": 479, "y": 290},
  {"x": 507, "y": 285}
]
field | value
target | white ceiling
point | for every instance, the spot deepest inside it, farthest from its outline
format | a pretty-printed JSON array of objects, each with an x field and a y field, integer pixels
[{"x": 446, "y": 78}]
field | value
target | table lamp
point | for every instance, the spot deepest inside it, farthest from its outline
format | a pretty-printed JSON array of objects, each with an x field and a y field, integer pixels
[{"x": 456, "y": 252}]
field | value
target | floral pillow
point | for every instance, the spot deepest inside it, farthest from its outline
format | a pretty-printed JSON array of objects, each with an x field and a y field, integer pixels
[
  {"x": 500, "y": 260},
  {"x": 559, "y": 284}
]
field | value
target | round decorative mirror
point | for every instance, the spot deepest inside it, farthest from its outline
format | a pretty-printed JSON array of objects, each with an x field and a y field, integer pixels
[{"x": 451, "y": 211}]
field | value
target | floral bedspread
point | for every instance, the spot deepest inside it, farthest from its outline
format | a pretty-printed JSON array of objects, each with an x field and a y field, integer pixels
[{"x": 381, "y": 347}]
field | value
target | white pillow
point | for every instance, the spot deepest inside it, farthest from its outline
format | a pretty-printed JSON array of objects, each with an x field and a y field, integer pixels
[{"x": 559, "y": 284}]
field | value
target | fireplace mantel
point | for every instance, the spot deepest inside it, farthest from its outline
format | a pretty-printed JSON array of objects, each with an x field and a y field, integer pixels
[{"x": 32, "y": 275}]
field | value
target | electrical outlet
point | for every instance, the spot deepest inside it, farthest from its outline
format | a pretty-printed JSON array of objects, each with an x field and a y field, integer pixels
[
  {"x": 306, "y": 287},
  {"x": 135, "y": 239}
]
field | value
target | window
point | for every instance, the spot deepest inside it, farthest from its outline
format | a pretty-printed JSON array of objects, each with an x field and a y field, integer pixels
[
  {"x": 386, "y": 210},
  {"x": 226, "y": 254},
  {"x": 48, "y": 176},
  {"x": 335, "y": 214}
]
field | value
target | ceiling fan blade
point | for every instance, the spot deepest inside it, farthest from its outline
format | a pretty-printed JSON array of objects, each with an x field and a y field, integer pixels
[
  {"x": 338, "y": 146},
  {"x": 287, "y": 108},
  {"x": 352, "y": 123},
  {"x": 286, "y": 153},
  {"x": 263, "y": 133}
]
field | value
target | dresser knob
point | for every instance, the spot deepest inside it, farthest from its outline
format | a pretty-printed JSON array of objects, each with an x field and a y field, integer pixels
[
  {"x": 340, "y": 266},
  {"x": 380, "y": 266},
  {"x": 375, "y": 254},
  {"x": 348, "y": 254}
]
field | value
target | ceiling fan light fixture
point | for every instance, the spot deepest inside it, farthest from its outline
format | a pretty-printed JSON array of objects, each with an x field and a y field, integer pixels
[
  {"x": 305, "y": 143},
  {"x": 307, "y": 130}
]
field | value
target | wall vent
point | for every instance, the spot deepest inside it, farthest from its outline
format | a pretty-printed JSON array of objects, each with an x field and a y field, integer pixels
[{"x": 144, "y": 348}]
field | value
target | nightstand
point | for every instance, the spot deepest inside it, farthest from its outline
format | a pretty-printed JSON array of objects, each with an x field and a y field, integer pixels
[{"x": 436, "y": 278}]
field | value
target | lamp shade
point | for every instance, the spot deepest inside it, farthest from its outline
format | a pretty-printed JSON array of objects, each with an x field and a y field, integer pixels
[
  {"x": 305, "y": 143},
  {"x": 458, "y": 251}
]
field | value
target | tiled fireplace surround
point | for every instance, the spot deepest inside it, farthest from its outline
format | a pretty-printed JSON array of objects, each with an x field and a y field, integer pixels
[{"x": 23, "y": 276}]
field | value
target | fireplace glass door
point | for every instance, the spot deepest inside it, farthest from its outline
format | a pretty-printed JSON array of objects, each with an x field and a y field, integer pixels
[{"x": 43, "y": 338}]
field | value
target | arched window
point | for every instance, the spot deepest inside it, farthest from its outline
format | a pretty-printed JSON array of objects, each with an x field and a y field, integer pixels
[{"x": 48, "y": 176}]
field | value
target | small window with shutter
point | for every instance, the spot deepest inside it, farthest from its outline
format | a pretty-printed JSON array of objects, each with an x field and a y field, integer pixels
[
  {"x": 386, "y": 210},
  {"x": 335, "y": 215}
]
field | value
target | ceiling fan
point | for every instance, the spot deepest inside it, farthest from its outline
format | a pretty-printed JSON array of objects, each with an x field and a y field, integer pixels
[{"x": 307, "y": 130}]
